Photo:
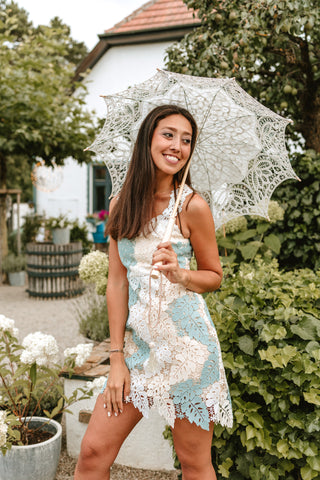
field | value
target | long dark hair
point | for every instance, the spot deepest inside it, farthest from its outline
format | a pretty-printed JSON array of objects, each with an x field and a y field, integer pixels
[{"x": 133, "y": 210}]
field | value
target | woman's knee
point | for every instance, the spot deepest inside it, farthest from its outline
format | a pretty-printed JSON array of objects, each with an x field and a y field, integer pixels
[{"x": 93, "y": 453}]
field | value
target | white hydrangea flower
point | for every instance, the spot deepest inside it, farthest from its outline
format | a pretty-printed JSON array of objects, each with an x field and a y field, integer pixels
[
  {"x": 39, "y": 348},
  {"x": 81, "y": 351},
  {"x": 93, "y": 266},
  {"x": 3, "y": 428},
  {"x": 101, "y": 285},
  {"x": 7, "y": 325},
  {"x": 238, "y": 224},
  {"x": 275, "y": 211},
  {"x": 96, "y": 385}
]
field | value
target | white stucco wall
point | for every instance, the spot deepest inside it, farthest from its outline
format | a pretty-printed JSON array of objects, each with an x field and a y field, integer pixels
[
  {"x": 70, "y": 198},
  {"x": 120, "y": 67}
]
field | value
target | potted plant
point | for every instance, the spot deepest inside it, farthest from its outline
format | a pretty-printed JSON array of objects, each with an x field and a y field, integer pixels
[
  {"x": 102, "y": 218},
  {"x": 14, "y": 266},
  {"x": 60, "y": 229},
  {"x": 30, "y": 445}
]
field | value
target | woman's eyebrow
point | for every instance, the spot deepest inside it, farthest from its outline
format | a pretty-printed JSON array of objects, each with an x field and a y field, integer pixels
[{"x": 175, "y": 130}]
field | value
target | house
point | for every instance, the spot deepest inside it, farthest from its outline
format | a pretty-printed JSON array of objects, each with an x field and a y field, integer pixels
[{"x": 126, "y": 54}]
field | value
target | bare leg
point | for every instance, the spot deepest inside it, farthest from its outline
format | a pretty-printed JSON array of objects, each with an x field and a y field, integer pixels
[
  {"x": 193, "y": 447},
  {"x": 102, "y": 441}
]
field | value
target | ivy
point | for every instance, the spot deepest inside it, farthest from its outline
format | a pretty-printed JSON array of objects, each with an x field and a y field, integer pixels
[{"x": 268, "y": 324}]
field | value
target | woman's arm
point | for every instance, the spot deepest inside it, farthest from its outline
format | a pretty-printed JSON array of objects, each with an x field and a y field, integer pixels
[
  {"x": 198, "y": 225},
  {"x": 118, "y": 385}
]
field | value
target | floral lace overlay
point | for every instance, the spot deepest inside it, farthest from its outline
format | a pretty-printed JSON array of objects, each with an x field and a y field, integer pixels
[{"x": 171, "y": 345}]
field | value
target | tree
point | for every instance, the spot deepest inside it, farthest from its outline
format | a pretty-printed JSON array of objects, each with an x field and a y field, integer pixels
[
  {"x": 271, "y": 47},
  {"x": 39, "y": 116}
]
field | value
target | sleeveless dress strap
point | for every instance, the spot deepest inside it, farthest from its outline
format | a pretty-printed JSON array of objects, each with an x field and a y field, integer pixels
[{"x": 185, "y": 192}]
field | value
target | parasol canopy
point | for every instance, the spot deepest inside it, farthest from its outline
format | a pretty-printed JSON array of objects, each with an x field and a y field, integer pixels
[{"x": 240, "y": 155}]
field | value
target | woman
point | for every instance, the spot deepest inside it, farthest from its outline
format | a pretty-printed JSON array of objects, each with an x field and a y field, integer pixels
[{"x": 164, "y": 348}]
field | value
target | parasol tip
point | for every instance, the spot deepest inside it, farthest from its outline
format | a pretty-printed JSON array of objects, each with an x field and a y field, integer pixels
[{"x": 298, "y": 178}]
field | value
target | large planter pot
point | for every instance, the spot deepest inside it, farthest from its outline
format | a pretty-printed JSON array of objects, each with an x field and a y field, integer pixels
[
  {"x": 17, "y": 279},
  {"x": 34, "y": 462},
  {"x": 61, "y": 236},
  {"x": 98, "y": 235}
]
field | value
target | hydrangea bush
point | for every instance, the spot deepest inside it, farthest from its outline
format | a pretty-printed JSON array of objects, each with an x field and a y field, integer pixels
[
  {"x": 93, "y": 268},
  {"x": 29, "y": 372}
]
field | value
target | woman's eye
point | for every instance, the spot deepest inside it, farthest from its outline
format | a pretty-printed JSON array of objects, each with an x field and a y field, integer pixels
[
  {"x": 187, "y": 141},
  {"x": 168, "y": 135}
]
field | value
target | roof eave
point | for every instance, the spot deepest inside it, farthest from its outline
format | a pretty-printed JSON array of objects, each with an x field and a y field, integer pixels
[{"x": 150, "y": 35}]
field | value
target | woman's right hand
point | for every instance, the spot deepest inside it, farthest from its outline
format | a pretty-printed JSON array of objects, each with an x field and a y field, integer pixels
[{"x": 118, "y": 385}]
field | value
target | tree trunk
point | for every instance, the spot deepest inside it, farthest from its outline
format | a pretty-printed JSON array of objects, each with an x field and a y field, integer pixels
[{"x": 3, "y": 216}]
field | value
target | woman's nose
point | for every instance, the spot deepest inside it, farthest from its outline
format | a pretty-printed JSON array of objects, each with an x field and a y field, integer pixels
[{"x": 176, "y": 144}]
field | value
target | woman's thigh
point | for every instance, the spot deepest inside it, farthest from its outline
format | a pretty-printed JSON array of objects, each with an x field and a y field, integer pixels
[
  {"x": 104, "y": 434},
  {"x": 192, "y": 443}
]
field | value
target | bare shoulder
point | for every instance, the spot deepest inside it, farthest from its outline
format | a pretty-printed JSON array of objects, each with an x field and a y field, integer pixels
[{"x": 197, "y": 206}]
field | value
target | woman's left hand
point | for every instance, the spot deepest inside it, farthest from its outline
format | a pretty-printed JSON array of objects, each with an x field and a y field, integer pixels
[{"x": 167, "y": 259}]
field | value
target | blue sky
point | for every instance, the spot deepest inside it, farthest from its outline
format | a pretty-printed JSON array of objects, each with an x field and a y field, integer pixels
[{"x": 86, "y": 18}]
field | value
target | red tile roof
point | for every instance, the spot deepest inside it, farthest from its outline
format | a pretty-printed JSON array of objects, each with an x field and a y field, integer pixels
[{"x": 157, "y": 14}]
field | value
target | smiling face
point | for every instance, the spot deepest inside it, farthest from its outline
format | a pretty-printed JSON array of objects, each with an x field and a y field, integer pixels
[{"x": 171, "y": 144}]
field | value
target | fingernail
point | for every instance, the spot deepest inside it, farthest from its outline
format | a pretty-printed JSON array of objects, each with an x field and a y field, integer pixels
[
  {"x": 109, "y": 414},
  {"x": 120, "y": 411},
  {"x": 104, "y": 405},
  {"x": 115, "y": 414},
  {"x": 127, "y": 398}
]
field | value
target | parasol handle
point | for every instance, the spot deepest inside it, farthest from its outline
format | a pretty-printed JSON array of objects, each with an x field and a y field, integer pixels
[{"x": 167, "y": 235}]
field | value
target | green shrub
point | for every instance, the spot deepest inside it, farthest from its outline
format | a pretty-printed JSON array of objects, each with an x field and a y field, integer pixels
[
  {"x": 43, "y": 398},
  {"x": 92, "y": 315},
  {"x": 14, "y": 263},
  {"x": 30, "y": 228},
  {"x": 299, "y": 232},
  {"x": 80, "y": 233},
  {"x": 269, "y": 327},
  {"x": 241, "y": 239}
]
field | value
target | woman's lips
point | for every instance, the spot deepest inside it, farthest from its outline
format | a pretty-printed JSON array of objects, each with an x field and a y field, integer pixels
[{"x": 171, "y": 159}]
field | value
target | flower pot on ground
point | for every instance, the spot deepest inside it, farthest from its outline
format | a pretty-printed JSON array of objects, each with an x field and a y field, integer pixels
[
  {"x": 30, "y": 373},
  {"x": 17, "y": 279},
  {"x": 38, "y": 461},
  {"x": 14, "y": 266}
]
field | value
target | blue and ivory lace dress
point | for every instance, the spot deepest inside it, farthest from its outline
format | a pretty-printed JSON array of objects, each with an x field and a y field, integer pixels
[{"x": 171, "y": 345}]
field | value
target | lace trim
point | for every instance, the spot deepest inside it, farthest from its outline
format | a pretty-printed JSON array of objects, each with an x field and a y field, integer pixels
[{"x": 167, "y": 211}]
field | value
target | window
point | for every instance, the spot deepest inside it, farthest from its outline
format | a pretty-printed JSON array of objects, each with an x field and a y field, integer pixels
[{"x": 101, "y": 188}]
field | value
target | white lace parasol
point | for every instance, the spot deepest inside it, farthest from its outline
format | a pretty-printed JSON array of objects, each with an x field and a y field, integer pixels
[{"x": 240, "y": 155}]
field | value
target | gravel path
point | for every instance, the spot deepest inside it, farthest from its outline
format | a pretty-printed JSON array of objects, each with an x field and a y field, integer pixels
[{"x": 56, "y": 317}]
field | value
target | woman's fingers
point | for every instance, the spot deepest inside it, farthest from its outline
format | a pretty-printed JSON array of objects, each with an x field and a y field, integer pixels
[
  {"x": 113, "y": 397},
  {"x": 107, "y": 401}
]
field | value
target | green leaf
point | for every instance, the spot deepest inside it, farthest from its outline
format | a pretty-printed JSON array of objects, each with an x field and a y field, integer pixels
[
  {"x": 224, "y": 468},
  {"x": 263, "y": 227},
  {"x": 314, "y": 463},
  {"x": 273, "y": 242},
  {"x": 245, "y": 235},
  {"x": 308, "y": 328},
  {"x": 313, "y": 396},
  {"x": 33, "y": 373},
  {"x": 250, "y": 250},
  {"x": 246, "y": 344}
]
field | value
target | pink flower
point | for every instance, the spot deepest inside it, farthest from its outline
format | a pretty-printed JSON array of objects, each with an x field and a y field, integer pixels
[{"x": 103, "y": 214}]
